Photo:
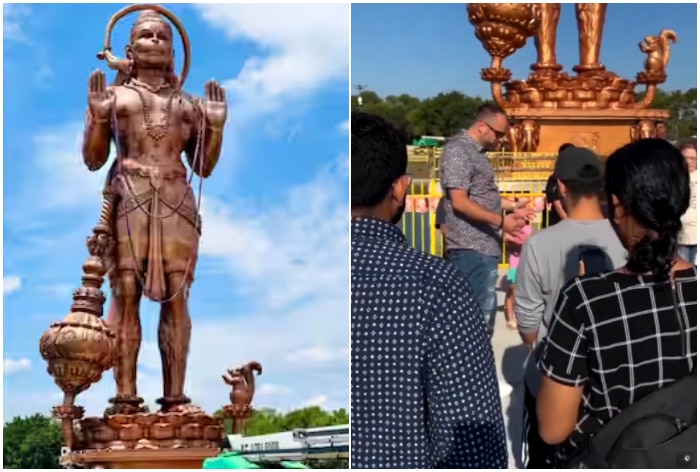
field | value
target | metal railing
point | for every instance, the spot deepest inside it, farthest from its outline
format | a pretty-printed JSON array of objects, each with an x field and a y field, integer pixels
[{"x": 418, "y": 222}]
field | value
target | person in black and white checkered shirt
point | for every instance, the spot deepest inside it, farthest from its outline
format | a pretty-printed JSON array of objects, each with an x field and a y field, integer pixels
[{"x": 617, "y": 337}]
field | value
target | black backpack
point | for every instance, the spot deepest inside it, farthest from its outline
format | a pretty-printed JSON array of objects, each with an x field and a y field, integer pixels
[
  {"x": 655, "y": 432},
  {"x": 592, "y": 260}
]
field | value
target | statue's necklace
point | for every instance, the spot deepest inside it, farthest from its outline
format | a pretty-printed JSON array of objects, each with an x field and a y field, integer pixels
[
  {"x": 160, "y": 130},
  {"x": 155, "y": 89}
]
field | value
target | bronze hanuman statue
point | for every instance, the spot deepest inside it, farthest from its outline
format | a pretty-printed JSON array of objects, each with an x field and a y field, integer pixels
[
  {"x": 590, "y": 18},
  {"x": 149, "y": 207},
  {"x": 546, "y": 37}
]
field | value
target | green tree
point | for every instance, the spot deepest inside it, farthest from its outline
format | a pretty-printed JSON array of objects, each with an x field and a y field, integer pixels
[
  {"x": 445, "y": 113},
  {"x": 396, "y": 109},
  {"x": 33, "y": 442},
  {"x": 441, "y": 115},
  {"x": 330, "y": 464},
  {"x": 683, "y": 108},
  {"x": 269, "y": 421}
]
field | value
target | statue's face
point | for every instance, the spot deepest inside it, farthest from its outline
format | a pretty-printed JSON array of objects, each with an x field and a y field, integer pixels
[{"x": 152, "y": 44}]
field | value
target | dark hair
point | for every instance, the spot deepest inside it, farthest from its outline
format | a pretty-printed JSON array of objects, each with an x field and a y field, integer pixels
[
  {"x": 378, "y": 157},
  {"x": 650, "y": 178},
  {"x": 564, "y": 147},
  {"x": 487, "y": 110},
  {"x": 589, "y": 183}
]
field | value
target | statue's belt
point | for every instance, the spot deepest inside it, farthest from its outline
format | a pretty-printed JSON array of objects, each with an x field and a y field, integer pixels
[
  {"x": 145, "y": 199},
  {"x": 153, "y": 173}
]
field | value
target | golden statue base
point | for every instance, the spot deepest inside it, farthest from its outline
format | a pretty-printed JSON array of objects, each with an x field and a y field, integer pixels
[
  {"x": 543, "y": 130},
  {"x": 595, "y": 108},
  {"x": 150, "y": 431},
  {"x": 185, "y": 458},
  {"x": 593, "y": 90},
  {"x": 147, "y": 441}
]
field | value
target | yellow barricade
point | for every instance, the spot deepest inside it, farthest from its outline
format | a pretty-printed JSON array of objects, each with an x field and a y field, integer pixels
[{"x": 418, "y": 222}]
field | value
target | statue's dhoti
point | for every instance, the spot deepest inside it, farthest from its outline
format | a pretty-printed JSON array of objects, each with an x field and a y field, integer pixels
[{"x": 157, "y": 228}]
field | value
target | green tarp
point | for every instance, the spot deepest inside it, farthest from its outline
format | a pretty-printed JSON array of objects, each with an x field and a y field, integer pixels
[
  {"x": 427, "y": 142},
  {"x": 233, "y": 460},
  {"x": 229, "y": 460}
]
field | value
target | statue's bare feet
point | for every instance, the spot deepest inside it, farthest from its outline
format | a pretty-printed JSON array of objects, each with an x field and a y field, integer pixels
[
  {"x": 167, "y": 404},
  {"x": 189, "y": 409},
  {"x": 125, "y": 405}
]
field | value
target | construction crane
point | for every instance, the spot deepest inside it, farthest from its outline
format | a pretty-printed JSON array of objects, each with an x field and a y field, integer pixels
[{"x": 328, "y": 442}]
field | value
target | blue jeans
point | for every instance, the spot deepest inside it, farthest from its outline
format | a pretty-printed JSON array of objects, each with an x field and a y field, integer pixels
[
  {"x": 689, "y": 253},
  {"x": 482, "y": 274}
]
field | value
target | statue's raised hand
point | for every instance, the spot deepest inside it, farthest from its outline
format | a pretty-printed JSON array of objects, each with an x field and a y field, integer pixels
[
  {"x": 100, "y": 100},
  {"x": 215, "y": 104}
]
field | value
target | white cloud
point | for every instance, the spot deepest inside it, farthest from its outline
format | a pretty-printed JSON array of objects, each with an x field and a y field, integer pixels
[
  {"x": 12, "y": 16},
  {"x": 59, "y": 160},
  {"x": 299, "y": 248},
  {"x": 272, "y": 389},
  {"x": 15, "y": 16},
  {"x": 319, "y": 400},
  {"x": 292, "y": 259},
  {"x": 305, "y": 47},
  {"x": 317, "y": 354},
  {"x": 61, "y": 182},
  {"x": 10, "y": 284},
  {"x": 61, "y": 291},
  {"x": 12, "y": 366},
  {"x": 344, "y": 127},
  {"x": 302, "y": 48}
]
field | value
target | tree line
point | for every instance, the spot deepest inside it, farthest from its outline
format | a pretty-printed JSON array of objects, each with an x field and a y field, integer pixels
[
  {"x": 34, "y": 442},
  {"x": 445, "y": 113}
]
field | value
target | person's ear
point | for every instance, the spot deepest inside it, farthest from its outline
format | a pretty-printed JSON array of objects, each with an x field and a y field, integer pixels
[
  {"x": 561, "y": 187},
  {"x": 617, "y": 211},
  {"x": 400, "y": 189}
]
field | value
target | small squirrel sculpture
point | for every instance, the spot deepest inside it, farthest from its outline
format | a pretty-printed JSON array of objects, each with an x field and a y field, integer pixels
[
  {"x": 242, "y": 382},
  {"x": 658, "y": 50}
]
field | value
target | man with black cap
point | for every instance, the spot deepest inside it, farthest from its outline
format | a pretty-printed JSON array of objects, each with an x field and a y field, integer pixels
[
  {"x": 549, "y": 260},
  {"x": 555, "y": 211}
]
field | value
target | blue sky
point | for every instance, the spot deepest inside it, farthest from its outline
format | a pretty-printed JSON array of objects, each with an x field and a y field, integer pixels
[
  {"x": 271, "y": 281},
  {"x": 424, "y": 49}
]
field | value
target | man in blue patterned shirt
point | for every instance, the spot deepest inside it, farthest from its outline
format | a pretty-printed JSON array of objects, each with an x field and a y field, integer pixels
[{"x": 424, "y": 392}]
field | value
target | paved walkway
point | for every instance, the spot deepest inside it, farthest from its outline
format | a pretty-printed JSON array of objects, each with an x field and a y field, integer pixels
[{"x": 510, "y": 356}]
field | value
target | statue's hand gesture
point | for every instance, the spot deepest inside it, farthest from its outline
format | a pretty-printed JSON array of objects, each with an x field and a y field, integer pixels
[
  {"x": 215, "y": 104},
  {"x": 100, "y": 100}
]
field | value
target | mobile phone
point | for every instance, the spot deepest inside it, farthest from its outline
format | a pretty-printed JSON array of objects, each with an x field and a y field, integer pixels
[{"x": 592, "y": 260}]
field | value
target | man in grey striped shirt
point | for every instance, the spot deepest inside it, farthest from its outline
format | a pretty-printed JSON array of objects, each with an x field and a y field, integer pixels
[{"x": 474, "y": 206}]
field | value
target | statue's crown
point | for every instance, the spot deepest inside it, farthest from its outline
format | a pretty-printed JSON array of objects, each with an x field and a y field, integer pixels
[{"x": 149, "y": 15}]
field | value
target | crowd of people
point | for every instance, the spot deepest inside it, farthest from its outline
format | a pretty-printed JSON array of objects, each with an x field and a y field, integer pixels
[{"x": 604, "y": 297}]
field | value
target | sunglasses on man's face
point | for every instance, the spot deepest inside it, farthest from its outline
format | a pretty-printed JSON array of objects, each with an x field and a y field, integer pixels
[{"x": 499, "y": 134}]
